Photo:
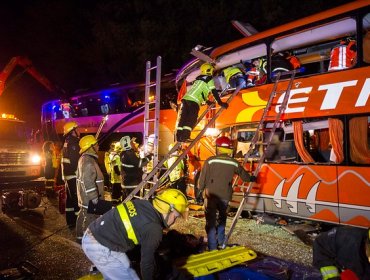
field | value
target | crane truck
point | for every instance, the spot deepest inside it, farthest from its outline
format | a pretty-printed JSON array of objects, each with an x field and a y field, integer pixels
[{"x": 21, "y": 184}]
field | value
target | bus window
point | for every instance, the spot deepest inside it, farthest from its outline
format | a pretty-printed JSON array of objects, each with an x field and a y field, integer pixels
[
  {"x": 366, "y": 38},
  {"x": 359, "y": 130},
  {"x": 313, "y": 46},
  {"x": 244, "y": 140},
  {"x": 281, "y": 148}
]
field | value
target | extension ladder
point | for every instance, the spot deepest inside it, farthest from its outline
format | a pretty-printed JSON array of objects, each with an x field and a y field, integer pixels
[
  {"x": 151, "y": 125},
  {"x": 150, "y": 177},
  {"x": 266, "y": 144}
]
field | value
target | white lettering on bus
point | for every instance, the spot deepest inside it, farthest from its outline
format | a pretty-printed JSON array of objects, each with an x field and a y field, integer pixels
[
  {"x": 364, "y": 94},
  {"x": 293, "y": 100},
  {"x": 333, "y": 93}
]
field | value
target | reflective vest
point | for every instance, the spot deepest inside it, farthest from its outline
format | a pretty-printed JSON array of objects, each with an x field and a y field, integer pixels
[
  {"x": 115, "y": 160},
  {"x": 231, "y": 71},
  {"x": 343, "y": 56},
  {"x": 126, "y": 220},
  {"x": 178, "y": 171},
  {"x": 200, "y": 90}
]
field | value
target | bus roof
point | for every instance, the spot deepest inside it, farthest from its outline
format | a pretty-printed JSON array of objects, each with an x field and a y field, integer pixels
[{"x": 289, "y": 26}]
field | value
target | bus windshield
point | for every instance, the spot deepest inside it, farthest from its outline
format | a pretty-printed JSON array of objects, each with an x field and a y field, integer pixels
[{"x": 12, "y": 130}]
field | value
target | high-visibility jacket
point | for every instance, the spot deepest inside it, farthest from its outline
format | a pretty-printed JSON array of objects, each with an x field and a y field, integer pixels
[
  {"x": 178, "y": 171},
  {"x": 70, "y": 156},
  {"x": 200, "y": 89},
  {"x": 231, "y": 71},
  {"x": 343, "y": 56},
  {"x": 115, "y": 167},
  {"x": 136, "y": 222},
  {"x": 90, "y": 180}
]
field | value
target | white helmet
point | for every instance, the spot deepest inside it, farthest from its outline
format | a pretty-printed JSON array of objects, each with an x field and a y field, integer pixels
[{"x": 125, "y": 143}]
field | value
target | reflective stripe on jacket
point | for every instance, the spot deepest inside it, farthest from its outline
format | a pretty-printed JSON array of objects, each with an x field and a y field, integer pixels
[
  {"x": 90, "y": 180},
  {"x": 70, "y": 156},
  {"x": 200, "y": 89}
]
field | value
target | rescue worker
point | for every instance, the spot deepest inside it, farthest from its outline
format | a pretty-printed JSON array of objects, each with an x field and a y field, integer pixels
[
  {"x": 90, "y": 182},
  {"x": 341, "y": 252},
  {"x": 343, "y": 56},
  {"x": 134, "y": 223},
  {"x": 178, "y": 174},
  {"x": 216, "y": 179},
  {"x": 280, "y": 63},
  {"x": 107, "y": 163},
  {"x": 70, "y": 156},
  {"x": 115, "y": 173},
  {"x": 258, "y": 73},
  {"x": 193, "y": 99},
  {"x": 132, "y": 165},
  {"x": 50, "y": 167},
  {"x": 235, "y": 77}
]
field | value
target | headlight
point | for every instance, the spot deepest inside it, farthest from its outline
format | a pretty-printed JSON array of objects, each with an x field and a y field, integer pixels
[{"x": 35, "y": 159}]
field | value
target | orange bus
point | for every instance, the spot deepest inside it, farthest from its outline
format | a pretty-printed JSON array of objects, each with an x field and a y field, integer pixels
[{"x": 318, "y": 164}]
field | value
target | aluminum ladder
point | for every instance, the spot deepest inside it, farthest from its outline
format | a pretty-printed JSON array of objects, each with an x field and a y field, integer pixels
[
  {"x": 150, "y": 178},
  {"x": 151, "y": 123},
  {"x": 266, "y": 144}
]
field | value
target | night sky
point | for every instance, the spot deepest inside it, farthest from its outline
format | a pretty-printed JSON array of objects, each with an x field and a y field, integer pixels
[{"x": 81, "y": 44}]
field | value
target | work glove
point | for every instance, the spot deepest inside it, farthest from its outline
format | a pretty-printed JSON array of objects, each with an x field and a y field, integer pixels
[
  {"x": 252, "y": 178},
  {"x": 224, "y": 105},
  {"x": 209, "y": 102},
  {"x": 95, "y": 201}
]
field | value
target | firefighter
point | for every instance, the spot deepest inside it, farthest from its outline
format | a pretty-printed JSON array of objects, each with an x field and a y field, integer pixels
[
  {"x": 343, "y": 253},
  {"x": 115, "y": 173},
  {"x": 234, "y": 76},
  {"x": 50, "y": 167},
  {"x": 258, "y": 73},
  {"x": 178, "y": 174},
  {"x": 132, "y": 165},
  {"x": 193, "y": 99},
  {"x": 343, "y": 56},
  {"x": 216, "y": 179},
  {"x": 69, "y": 162},
  {"x": 90, "y": 182},
  {"x": 134, "y": 223},
  {"x": 107, "y": 163}
]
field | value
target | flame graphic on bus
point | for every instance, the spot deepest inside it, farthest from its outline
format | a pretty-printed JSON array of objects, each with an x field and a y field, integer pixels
[{"x": 256, "y": 104}]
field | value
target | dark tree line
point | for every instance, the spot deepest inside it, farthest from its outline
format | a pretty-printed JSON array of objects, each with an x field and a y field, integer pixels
[{"x": 92, "y": 43}]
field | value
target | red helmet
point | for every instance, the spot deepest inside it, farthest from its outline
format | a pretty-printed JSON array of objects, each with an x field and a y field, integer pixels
[{"x": 224, "y": 141}]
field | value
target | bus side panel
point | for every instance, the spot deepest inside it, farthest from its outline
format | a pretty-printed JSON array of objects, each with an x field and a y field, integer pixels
[
  {"x": 354, "y": 195},
  {"x": 302, "y": 191}
]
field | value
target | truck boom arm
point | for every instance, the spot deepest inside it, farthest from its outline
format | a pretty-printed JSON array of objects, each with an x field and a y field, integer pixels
[{"x": 27, "y": 65}]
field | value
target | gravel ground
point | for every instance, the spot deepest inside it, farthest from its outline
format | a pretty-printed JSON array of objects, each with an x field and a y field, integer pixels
[
  {"x": 270, "y": 240},
  {"x": 41, "y": 237}
]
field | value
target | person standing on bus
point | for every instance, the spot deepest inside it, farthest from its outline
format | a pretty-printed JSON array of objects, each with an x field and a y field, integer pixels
[
  {"x": 90, "y": 182},
  {"x": 343, "y": 56},
  {"x": 216, "y": 180},
  {"x": 69, "y": 163},
  {"x": 235, "y": 77},
  {"x": 115, "y": 173},
  {"x": 178, "y": 174},
  {"x": 343, "y": 253},
  {"x": 193, "y": 99},
  {"x": 132, "y": 165}
]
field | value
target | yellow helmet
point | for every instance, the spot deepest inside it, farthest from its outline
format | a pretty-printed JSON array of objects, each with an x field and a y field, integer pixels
[
  {"x": 68, "y": 127},
  {"x": 207, "y": 69},
  {"x": 86, "y": 142},
  {"x": 170, "y": 200},
  {"x": 117, "y": 147}
]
